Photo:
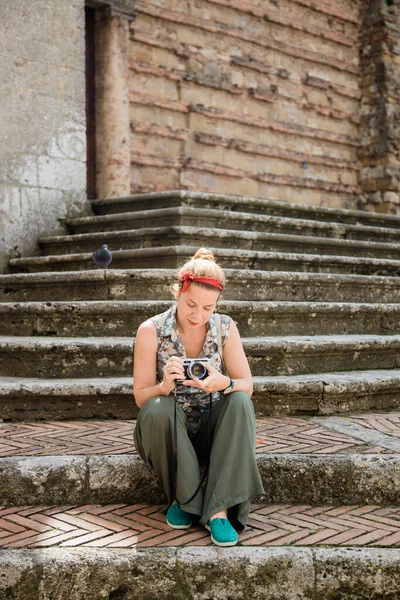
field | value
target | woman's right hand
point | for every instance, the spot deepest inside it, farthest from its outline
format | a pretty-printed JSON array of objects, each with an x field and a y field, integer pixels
[{"x": 173, "y": 370}]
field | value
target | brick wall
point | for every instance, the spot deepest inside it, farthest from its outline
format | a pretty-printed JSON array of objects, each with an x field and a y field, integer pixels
[
  {"x": 380, "y": 106},
  {"x": 250, "y": 97}
]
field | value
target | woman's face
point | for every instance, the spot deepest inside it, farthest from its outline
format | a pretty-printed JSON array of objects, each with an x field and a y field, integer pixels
[{"x": 195, "y": 306}]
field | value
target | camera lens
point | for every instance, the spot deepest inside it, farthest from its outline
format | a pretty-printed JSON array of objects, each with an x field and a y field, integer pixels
[{"x": 197, "y": 369}]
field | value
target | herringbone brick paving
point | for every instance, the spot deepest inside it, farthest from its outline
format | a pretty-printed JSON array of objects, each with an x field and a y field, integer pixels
[
  {"x": 389, "y": 424},
  {"x": 123, "y": 526},
  {"x": 274, "y": 435}
]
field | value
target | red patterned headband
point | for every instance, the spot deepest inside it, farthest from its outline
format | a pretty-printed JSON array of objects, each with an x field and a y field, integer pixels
[{"x": 188, "y": 277}]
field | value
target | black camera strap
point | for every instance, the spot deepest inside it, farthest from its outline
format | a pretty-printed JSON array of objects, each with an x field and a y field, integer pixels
[{"x": 175, "y": 456}]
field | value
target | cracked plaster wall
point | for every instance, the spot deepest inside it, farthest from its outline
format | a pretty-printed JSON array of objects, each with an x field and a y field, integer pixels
[{"x": 42, "y": 111}]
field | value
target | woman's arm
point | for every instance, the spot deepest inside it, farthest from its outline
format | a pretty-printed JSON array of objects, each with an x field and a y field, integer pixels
[
  {"x": 236, "y": 362},
  {"x": 145, "y": 384},
  {"x": 145, "y": 364},
  {"x": 236, "y": 365}
]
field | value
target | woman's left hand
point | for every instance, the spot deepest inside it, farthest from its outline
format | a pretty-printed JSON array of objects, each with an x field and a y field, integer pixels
[{"x": 215, "y": 382}]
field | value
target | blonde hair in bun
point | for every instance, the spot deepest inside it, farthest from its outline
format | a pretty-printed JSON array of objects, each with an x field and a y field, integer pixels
[
  {"x": 205, "y": 254},
  {"x": 201, "y": 265}
]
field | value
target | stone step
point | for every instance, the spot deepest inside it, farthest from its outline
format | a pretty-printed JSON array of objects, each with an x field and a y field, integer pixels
[
  {"x": 104, "y": 397},
  {"x": 239, "y": 572},
  {"x": 221, "y": 238},
  {"x": 155, "y": 284},
  {"x": 174, "y": 256},
  {"x": 344, "y": 479},
  {"x": 52, "y": 480},
  {"x": 54, "y": 357},
  {"x": 227, "y": 203},
  {"x": 200, "y": 217},
  {"x": 114, "y": 318},
  {"x": 101, "y": 513},
  {"x": 316, "y": 461}
]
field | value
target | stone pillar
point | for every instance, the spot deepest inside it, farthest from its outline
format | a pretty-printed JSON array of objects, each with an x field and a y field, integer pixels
[
  {"x": 380, "y": 106},
  {"x": 113, "y": 158}
]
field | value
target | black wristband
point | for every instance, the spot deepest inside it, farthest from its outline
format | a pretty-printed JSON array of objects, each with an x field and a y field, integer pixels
[{"x": 230, "y": 386}]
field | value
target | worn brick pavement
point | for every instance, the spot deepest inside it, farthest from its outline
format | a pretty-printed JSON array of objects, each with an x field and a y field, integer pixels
[
  {"x": 274, "y": 435},
  {"x": 123, "y": 526}
]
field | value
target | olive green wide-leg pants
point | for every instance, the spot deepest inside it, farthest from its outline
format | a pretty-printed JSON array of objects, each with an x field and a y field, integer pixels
[{"x": 233, "y": 478}]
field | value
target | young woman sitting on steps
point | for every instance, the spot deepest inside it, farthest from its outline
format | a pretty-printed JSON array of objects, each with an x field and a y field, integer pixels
[{"x": 206, "y": 420}]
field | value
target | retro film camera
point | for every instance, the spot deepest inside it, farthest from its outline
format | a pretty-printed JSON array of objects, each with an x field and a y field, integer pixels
[{"x": 194, "y": 367}]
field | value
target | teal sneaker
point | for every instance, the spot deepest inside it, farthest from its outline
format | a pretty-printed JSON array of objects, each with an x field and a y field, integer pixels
[
  {"x": 178, "y": 518},
  {"x": 222, "y": 532}
]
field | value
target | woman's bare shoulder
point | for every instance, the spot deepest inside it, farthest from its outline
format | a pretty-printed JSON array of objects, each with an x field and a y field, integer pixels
[
  {"x": 148, "y": 325},
  {"x": 147, "y": 331}
]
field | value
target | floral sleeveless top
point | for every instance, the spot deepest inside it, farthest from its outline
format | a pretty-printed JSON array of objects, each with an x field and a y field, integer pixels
[{"x": 170, "y": 344}]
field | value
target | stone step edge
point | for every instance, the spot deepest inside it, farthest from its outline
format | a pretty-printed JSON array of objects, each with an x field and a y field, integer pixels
[
  {"x": 224, "y": 306},
  {"x": 261, "y": 344},
  {"x": 187, "y": 251},
  {"x": 213, "y": 233},
  {"x": 106, "y": 307},
  {"x": 317, "y": 480},
  {"x": 167, "y": 276},
  {"x": 103, "y": 385},
  {"x": 238, "y": 200},
  {"x": 75, "y": 357},
  {"x": 93, "y": 573},
  {"x": 315, "y": 394},
  {"x": 60, "y": 318},
  {"x": 340, "y": 229}
]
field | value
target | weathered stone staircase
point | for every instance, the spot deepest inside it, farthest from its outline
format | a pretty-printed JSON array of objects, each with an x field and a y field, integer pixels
[
  {"x": 315, "y": 292},
  {"x": 316, "y": 295}
]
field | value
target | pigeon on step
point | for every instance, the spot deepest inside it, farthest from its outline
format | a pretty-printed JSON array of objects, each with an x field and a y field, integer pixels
[{"x": 102, "y": 257}]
